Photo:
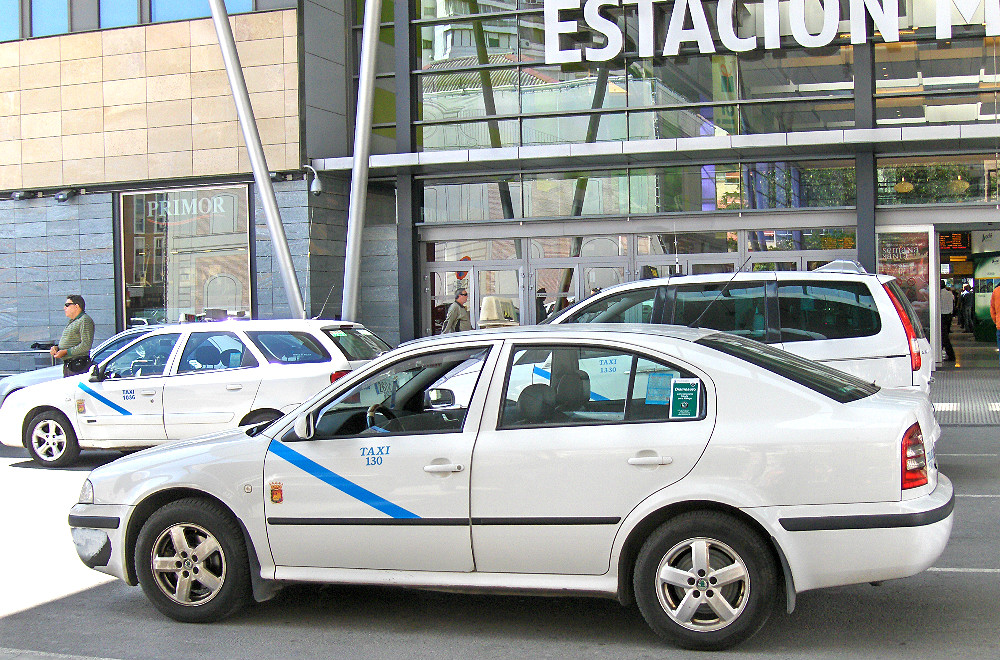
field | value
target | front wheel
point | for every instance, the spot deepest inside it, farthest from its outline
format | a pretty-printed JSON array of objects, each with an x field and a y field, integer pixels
[
  {"x": 192, "y": 562},
  {"x": 50, "y": 439},
  {"x": 705, "y": 581}
]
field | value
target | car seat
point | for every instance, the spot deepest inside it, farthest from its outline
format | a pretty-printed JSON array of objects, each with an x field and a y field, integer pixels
[
  {"x": 535, "y": 404},
  {"x": 572, "y": 391},
  {"x": 207, "y": 356}
]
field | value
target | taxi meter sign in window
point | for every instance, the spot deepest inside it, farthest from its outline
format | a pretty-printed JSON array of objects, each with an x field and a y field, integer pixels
[{"x": 681, "y": 394}]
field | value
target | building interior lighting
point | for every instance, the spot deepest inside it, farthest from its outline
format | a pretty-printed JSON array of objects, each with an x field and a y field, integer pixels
[
  {"x": 903, "y": 186},
  {"x": 958, "y": 186}
]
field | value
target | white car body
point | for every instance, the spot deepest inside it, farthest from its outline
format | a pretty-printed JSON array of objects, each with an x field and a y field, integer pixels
[
  {"x": 883, "y": 357},
  {"x": 554, "y": 509},
  {"x": 178, "y": 402}
]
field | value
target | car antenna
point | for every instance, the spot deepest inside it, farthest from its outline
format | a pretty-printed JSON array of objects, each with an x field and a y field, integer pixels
[{"x": 694, "y": 324}]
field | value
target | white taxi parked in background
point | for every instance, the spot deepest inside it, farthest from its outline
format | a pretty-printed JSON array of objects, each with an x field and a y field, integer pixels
[
  {"x": 181, "y": 381},
  {"x": 704, "y": 476}
]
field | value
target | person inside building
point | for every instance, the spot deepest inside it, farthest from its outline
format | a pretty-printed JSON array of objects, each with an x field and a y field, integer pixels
[
  {"x": 78, "y": 336},
  {"x": 967, "y": 307},
  {"x": 458, "y": 318},
  {"x": 947, "y": 302}
]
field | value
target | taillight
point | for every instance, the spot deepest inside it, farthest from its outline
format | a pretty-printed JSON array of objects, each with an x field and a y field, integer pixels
[
  {"x": 337, "y": 375},
  {"x": 914, "y": 458},
  {"x": 911, "y": 335}
]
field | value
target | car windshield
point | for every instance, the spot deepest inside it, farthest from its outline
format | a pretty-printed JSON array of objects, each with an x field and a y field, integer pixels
[
  {"x": 356, "y": 343},
  {"x": 820, "y": 378},
  {"x": 105, "y": 350}
]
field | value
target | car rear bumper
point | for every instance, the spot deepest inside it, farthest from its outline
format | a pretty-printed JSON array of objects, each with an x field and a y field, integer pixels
[{"x": 833, "y": 545}]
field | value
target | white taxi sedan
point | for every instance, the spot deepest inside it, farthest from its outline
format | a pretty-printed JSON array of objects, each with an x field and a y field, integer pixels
[
  {"x": 181, "y": 381},
  {"x": 701, "y": 475}
]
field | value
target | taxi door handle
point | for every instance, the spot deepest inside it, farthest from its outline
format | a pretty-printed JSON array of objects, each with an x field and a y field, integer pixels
[
  {"x": 650, "y": 460},
  {"x": 443, "y": 467},
  {"x": 234, "y": 388},
  {"x": 147, "y": 392}
]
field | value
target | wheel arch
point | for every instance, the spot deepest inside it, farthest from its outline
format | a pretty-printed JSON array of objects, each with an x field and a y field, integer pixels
[
  {"x": 258, "y": 411},
  {"x": 262, "y": 589},
  {"x": 30, "y": 415},
  {"x": 638, "y": 535}
]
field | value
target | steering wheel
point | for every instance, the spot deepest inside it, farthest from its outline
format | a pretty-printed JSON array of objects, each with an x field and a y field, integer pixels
[{"x": 375, "y": 409}]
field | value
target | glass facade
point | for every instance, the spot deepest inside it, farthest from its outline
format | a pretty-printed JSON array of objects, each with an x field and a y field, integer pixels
[
  {"x": 49, "y": 17},
  {"x": 119, "y": 13},
  {"x": 186, "y": 254},
  {"x": 171, "y": 10},
  {"x": 10, "y": 26}
]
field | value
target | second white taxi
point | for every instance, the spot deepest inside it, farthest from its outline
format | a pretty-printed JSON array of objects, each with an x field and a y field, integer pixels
[
  {"x": 182, "y": 381},
  {"x": 703, "y": 476}
]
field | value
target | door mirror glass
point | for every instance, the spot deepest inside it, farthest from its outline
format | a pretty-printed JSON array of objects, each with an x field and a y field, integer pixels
[
  {"x": 439, "y": 398},
  {"x": 96, "y": 374}
]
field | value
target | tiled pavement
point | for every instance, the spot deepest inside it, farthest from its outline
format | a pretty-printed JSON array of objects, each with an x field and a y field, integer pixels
[{"x": 968, "y": 390}]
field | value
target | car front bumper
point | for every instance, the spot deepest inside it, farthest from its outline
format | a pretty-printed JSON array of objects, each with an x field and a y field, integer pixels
[
  {"x": 834, "y": 545},
  {"x": 98, "y": 532}
]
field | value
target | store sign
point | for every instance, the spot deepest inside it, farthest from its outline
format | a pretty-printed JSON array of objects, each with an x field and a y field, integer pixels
[{"x": 884, "y": 16}]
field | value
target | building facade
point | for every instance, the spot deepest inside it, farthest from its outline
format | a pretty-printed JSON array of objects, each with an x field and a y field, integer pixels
[{"x": 528, "y": 150}]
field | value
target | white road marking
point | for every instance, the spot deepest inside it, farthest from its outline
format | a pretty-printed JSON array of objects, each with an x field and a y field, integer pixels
[
  {"x": 25, "y": 653},
  {"x": 946, "y": 407},
  {"x": 963, "y": 570}
]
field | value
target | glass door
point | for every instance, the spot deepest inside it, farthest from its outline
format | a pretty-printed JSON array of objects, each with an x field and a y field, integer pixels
[
  {"x": 553, "y": 288},
  {"x": 708, "y": 264},
  {"x": 597, "y": 277},
  {"x": 497, "y": 297},
  {"x": 441, "y": 286}
]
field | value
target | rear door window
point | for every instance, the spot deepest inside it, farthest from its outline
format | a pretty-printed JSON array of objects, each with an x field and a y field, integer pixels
[
  {"x": 289, "y": 347},
  {"x": 356, "y": 343},
  {"x": 826, "y": 310},
  {"x": 736, "y": 307},
  {"x": 636, "y": 306}
]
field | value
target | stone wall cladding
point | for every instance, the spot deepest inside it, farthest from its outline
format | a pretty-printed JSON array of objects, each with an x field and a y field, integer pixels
[{"x": 48, "y": 251}]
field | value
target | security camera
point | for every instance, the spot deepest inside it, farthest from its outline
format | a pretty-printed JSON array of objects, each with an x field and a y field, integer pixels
[
  {"x": 65, "y": 195},
  {"x": 18, "y": 195},
  {"x": 316, "y": 188}
]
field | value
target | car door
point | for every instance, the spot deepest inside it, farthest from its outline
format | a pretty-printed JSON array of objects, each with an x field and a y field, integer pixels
[
  {"x": 128, "y": 403},
  {"x": 214, "y": 385},
  {"x": 582, "y": 434},
  {"x": 382, "y": 479}
]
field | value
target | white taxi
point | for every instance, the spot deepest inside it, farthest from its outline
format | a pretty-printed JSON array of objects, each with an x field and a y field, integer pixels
[
  {"x": 181, "y": 381},
  {"x": 701, "y": 475}
]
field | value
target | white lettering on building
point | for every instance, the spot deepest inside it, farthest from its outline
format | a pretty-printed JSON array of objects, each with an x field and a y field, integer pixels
[{"x": 688, "y": 22}]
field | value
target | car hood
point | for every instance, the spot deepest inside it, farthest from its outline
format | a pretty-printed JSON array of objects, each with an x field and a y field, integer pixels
[
  {"x": 18, "y": 381},
  {"x": 223, "y": 459}
]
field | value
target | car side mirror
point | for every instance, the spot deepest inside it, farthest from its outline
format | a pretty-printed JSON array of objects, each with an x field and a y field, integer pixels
[
  {"x": 304, "y": 427},
  {"x": 439, "y": 398},
  {"x": 96, "y": 374}
]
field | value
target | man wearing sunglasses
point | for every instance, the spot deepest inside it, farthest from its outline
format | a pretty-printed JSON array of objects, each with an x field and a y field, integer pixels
[{"x": 77, "y": 337}]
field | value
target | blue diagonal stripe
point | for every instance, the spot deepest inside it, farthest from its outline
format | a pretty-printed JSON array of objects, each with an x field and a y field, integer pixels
[
  {"x": 343, "y": 485},
  {"x": 106, "y": 401}
]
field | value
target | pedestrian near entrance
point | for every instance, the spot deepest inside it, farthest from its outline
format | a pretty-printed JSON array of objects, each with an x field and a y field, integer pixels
[
  {"x": 947, "y": 310},
  {"x": 77, "y": 337},
  {"x": 995, "y": 311},
  {"x": 458, "y": 318},
  {"x": 968, "y": 306}
]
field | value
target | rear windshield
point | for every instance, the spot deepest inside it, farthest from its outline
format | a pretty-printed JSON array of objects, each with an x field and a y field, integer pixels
[
  {"x": 837, "y": 385},
  {"x": 356, "y": 343},
  {"x": 289, "y": 347},
  {"x": 897, "y": 291}
]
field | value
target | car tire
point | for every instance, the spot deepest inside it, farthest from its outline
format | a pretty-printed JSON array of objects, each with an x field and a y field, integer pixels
[
  {"x": 678, "y": 574},
  {"x": 51, "y": 440},
  {"x": 180, "y": 583}
]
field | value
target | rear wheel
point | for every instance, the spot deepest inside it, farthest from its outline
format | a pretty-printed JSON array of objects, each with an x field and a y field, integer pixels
[
  {"x": 192, "y": 562},
  {"x": 705, "y": 581},
  {"x": 50, "y": 439}
]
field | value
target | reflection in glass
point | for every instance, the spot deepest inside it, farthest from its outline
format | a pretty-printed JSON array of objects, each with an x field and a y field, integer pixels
[
  {"x": 490, "y": 250},
  {"x": 428, "y": 9},
  {"x": 499, "y": 295},
  {"x": 829, "y": 238},
  {"x": 938, "y": 180},
  {"x": 937, "y": 109},
  {"x": 805, "y": 184},
  {"x": 953, "y": 65},
  {"x": 558, "y": 247},
  {"x": 191, "y": 257},
  {"x": 574, "y": 129},
  {"x": 444, "y": 286},
  {"x": 494, "y": 198},
  {"x": 468, "y": 135},
  {"x": 470, "y": 43},
  {"x": 575, "y": 194},
  {"x": 687, "y": 243},
  {"x": 49, "y": 17},
  {"x": 790, "y": 117},
  {"x": 467, "y": 94},
  {"x": 555, "y": 290},
  {"x": 685, "y": 188}
]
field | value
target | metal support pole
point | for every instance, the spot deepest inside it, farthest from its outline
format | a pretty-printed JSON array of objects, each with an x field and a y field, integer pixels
[
  {"x": 261, "y": 174},
  {"x": 362, "y": 149}
]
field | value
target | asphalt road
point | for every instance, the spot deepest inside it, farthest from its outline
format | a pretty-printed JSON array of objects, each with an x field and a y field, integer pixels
[{"x": 51, "y": 606}]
